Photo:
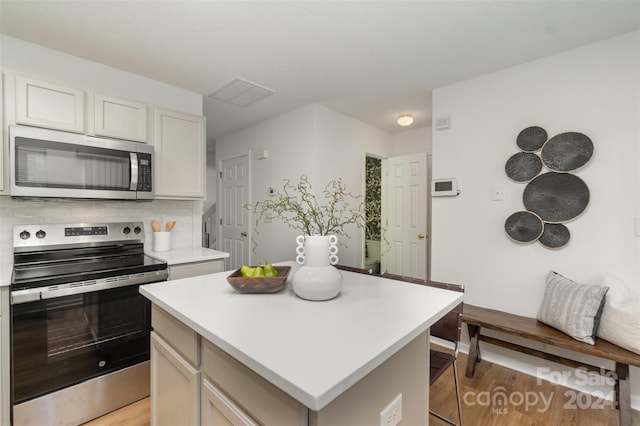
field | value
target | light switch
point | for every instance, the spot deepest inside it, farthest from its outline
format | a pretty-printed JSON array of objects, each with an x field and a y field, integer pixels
[{"x": 497, "y": 192}]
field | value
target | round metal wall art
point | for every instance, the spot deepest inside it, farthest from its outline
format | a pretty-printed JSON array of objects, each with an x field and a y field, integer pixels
[
  {"x": 567, "y": 151},
  {"x": 555, "y": 235},
  {"x": 523, "y": 166},
  {"x": 531, "y": 139},
  {"x": 553, "y": 197},
  {"x": 524, "y": 227},
  {"x": 556, "y": 197}
]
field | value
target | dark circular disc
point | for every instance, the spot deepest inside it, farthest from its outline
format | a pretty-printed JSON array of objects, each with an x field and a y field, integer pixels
[
  {"x": 555, "y": 235},
  {"x": 531, "y": 139},
  {"x": 523, "y": 166},
  {"x": 567, "y": 151},
  {"x": 523, "y": 227},
  {"x": 556, "y": 197}
]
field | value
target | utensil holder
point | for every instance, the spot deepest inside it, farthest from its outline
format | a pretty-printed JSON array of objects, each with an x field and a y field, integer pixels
[{"x": 161, "y": 241}]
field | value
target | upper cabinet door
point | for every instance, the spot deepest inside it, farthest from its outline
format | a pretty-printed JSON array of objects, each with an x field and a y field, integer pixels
[
  {"x": 2, "y": 140},
  {"x": 119, "y": 118},
  {"x": 45, "y": 104},
  {"x": 180, "y": 161}
]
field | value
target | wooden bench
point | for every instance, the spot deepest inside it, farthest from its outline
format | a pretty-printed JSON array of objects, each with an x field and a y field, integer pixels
[{"x": 478, "y": 318}]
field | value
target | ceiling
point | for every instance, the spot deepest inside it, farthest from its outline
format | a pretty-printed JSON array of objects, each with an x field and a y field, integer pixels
[{"x": 371, "y": 60}]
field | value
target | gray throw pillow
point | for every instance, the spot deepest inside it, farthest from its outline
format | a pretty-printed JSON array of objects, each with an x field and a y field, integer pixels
[{"x": 572, "y": 308}]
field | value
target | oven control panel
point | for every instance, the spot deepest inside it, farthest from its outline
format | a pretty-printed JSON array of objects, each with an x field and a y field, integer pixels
[
  {"x": 76, "y": 231},
  {"x": 45, "y": 235}
]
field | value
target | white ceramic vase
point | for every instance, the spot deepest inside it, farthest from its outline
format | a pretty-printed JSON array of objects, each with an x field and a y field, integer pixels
[{"x": 317, "y": 279}]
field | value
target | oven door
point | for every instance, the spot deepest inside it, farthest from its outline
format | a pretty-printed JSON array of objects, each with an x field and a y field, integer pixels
[{"x": 59, "y": 342}]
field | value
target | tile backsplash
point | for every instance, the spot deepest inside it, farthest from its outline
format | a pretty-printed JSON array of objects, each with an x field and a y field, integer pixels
[{"x": 187, "y": 214}]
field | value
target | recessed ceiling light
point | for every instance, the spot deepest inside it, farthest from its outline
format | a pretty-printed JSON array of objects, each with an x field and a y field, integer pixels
[{"x": 405, "y": 120}]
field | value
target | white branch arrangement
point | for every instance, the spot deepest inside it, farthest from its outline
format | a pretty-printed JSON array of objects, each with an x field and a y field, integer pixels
[{"x": 298, "y": 207}]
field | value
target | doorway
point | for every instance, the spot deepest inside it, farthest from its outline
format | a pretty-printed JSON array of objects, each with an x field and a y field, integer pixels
[
  {"x": 373, "y": 213},
  {"x": 404, "y": 218},
  {"x": 234, "y": 218}
]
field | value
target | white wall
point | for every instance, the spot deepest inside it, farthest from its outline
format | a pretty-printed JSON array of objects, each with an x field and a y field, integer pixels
[
  {"x": 593, "y": 89},
  {"x": 25, "y": 58},
  {"x": 412, "y": 141},
  {"x": 342, "y": 146},
  {"x": 311, "y": 140}
]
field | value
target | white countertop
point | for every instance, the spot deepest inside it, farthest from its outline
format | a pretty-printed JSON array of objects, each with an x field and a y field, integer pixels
[
  {"x": 178, "y": 256},
  {"x": 313, "y": 351}
]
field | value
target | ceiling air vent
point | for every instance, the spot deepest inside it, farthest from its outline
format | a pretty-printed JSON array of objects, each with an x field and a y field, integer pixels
[{"x": 241, "y": 92}]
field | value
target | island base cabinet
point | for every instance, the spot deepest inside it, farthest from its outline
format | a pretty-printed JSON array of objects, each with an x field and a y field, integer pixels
[
  {"x": 258, "y": 398},
  {"x": 405, "y": 373},
  {"x": 175, "y": 387},
  {"x": 219, "y": 410},
  {"x": 195, "y": 382}
]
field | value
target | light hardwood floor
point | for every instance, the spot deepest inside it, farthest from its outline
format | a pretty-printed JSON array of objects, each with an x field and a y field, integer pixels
[
  {"x": 136, "y": 414},
  {"x": 489, "y": 379},
  {"x": 553, "y": 403}
]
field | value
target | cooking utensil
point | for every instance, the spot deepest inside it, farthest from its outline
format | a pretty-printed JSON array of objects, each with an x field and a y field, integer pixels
[
  {"x": 155, "y": 225},
  {"x": 169, "y": 226}
]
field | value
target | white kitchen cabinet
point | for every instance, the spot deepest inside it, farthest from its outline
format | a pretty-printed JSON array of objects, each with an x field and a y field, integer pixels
[
  {"x": 180, "y": 163},
  {"x": 261, "y": 400},
  {"x": 232, "y": 394},
  {"x": 45, "y": 104},
  {"x": 184, "y": 262},
  {"x": 175, "y": 386},
  {"x": 194, "y": 269},
  {"x": 5, "y": 407},
  {"x": 175, "y": 375},
  {"x": 119, "y": 118},
  {"x": 219, "y": 410}
]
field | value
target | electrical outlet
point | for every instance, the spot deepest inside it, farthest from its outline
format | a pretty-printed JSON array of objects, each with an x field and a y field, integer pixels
[{"x": 392, "y": 413}]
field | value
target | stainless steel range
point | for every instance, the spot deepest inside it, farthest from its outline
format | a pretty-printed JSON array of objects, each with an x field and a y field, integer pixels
[{"x": 79, "y": 326}]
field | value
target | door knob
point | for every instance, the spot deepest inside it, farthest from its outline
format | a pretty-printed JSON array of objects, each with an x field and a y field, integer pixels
[
  {"x": 244, "y": 234},
  {"x": 421, "y": 236}
]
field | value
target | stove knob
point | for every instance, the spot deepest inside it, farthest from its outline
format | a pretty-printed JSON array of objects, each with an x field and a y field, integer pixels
[
  {"x": 24, "y": 235},
  {"x": 137, "y": 230},
  {"x": 41, "y": 234},
  {"x": 126, "y": 230}
]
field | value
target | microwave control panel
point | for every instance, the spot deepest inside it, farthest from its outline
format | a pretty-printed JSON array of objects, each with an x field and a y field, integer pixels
[{"x": 144, "y": 172}]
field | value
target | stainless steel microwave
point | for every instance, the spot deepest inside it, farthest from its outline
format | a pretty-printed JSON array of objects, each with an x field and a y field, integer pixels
[{"x": 50, "y": 163}]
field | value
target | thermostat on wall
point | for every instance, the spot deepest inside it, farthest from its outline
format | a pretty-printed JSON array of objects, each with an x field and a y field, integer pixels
[{"x": 445, "y": 187}]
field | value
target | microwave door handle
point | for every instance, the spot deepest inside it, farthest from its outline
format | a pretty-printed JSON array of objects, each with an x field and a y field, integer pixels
[{"x": 133, "y": 185}]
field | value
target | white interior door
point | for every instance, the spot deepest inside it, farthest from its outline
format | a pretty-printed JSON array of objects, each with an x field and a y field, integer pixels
[
  {"x": 234, "y": 218},
  {"x": 404, "y": 215}
]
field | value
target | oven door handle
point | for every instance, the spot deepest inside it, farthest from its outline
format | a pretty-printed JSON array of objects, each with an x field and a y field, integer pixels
[{"x": 51, "y": 292}]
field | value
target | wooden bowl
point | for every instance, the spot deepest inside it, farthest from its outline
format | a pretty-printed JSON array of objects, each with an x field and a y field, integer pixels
[{"x": 259, "y": 284}]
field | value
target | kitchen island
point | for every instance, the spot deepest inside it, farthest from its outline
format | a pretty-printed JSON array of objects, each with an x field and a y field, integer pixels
[{"x": 279, "y": 359}]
